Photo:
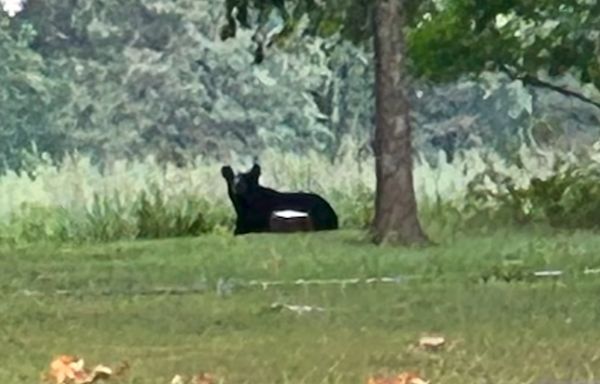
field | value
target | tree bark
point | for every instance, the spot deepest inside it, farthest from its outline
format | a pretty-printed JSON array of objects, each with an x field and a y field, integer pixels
[{"x": 396, "y": 218}]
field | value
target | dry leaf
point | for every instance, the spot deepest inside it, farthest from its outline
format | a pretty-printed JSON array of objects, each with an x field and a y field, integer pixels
[
  {"x": 201, "y": 378},
  {"x": 431, "y": 342},
  {"x": 70, "y": 369},
  {"x": 403, "y": 378},
  {"x": 98, "y": 373},
  {"x": 204, "y": 378},
  {"x": 66, "y": 367}
]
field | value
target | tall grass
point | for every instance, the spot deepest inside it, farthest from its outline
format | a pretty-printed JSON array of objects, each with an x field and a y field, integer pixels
[{"x": 77, "y": 201}]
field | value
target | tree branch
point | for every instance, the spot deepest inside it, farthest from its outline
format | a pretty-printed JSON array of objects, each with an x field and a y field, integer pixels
[{"x": 535, "y": 82}]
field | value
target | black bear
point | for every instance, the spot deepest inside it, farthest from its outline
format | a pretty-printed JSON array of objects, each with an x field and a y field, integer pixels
[{"x": 255, "y": 204}]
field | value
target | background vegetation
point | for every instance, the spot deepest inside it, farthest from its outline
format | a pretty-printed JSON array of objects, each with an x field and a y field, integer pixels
[{"x": 114, "y": 121}]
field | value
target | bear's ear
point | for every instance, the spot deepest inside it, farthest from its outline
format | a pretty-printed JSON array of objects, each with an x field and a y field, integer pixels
[
  {"x": 227, "y": 172},
  {"x": 255, "y": 171}
]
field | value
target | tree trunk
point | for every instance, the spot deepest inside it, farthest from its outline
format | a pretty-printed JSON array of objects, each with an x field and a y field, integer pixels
[{"x": 396, "y": 218}]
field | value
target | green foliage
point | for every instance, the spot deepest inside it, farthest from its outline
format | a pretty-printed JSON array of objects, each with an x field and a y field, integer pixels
[
  {"x": 33, "y": 223},
  {"x": 151, "y": 74},
  {"x": 355, "y": 207},
  {"x": 507, "y": 272},
  {"x": 351, "y": 19},
  {"x": 451, "y": 38},
  {"x": 109, "y": 219},
  {"x": 470, "y": 36},
  {"x": 181, "y": 92},
  {"x": 157, "y": 218},
  {"x": 478, "y": 192},
  {"x": 568, "y": 198},
  {"x": 159, "y": 82},
  {"x": 29, "y": 100},
  {"x": 106, "y": 220}
]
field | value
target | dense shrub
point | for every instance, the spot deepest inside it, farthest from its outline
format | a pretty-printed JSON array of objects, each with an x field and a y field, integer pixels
[
  {"x": 478, "y": 191},
  {"x": 566, "y": 195}
]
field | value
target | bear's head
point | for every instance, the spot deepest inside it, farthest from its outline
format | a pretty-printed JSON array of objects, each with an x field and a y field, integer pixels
[{"x": 242, "y": 183}]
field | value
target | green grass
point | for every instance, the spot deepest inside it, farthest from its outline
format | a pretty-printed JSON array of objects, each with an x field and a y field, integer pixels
[{"x": 498, "y": 332}]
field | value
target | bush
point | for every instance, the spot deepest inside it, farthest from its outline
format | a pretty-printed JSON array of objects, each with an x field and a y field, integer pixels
[
  {"x": 34, "y": 222},
  {"x": 157, "y": 218},
  {"x": 107, "y": 219},
  {"x": 141, "y": 199},
  {"x": 568, "y": 198}
]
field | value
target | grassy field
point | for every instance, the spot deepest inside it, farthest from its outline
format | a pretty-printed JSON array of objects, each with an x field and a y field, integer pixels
[{"x": 523, "y": 330}]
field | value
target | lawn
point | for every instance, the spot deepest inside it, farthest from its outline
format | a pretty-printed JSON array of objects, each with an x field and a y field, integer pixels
[{"x": 107, "y": 303}]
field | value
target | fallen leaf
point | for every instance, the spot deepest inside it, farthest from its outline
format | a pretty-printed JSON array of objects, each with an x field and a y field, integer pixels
[
  {"x": 177, "y": 379},
  {"x": 65, "y": 367},
  {"x": 201, "y": 378},
  {"x": 204, "y": 378},
  {"x": 70, "y": 369},
  {"x": 403, "y": 378},
  {"x": 100, "y": 372},
  {"x": 431, "y": 342}
]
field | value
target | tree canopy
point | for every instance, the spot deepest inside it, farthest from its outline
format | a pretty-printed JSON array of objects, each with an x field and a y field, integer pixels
[
  {"x": 29, "y": 99},
  {"x": 152, "y": 77},
  {"x": 451, "y": 38},
  {"x": 524, "y": 36}
]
